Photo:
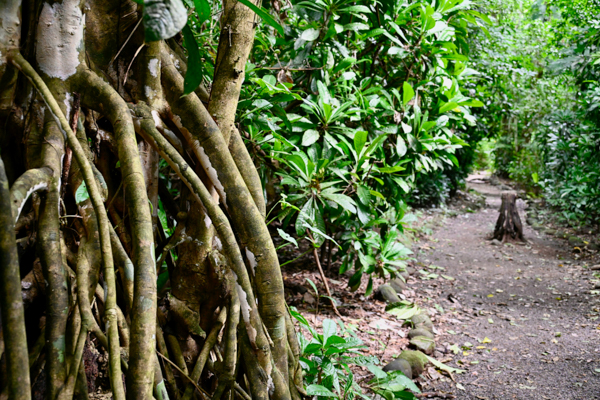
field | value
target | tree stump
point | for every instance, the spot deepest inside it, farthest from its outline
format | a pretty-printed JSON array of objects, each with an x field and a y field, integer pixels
[{"x": 509, "y": 222}]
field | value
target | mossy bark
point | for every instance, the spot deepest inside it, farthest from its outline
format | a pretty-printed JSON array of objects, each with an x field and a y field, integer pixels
[
  {"x": 210, "y": 147},
  {"x": 226, "y": 272},
  {"x": 11, "y": 303}
]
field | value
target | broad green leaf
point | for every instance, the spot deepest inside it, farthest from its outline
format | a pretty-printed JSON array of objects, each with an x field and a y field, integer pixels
[
  {"x": 369, "y": 287},
  {"x": 378, "y": 372},
  {"x": 305, "y": 217},
  {"x": 356, "y": 9},
  {"x": 319, "y": 390},
  {"x": 377, "y": 194},
  {"x": 264, "y": 15},
  {"x": 81, "y": 194},
  {"x": 329, "y": 329},
  {"x": 472, "y": 103},
  {"x": 309, "y": 137},
  {"x": 341, "y": 199},
  {"x": 438, "y": 27},
  {"x": 400, "y": 147},
  {"x": 405, "y": 381},
  {"x": 203, "y": 9},
  {"x": 356, "y": 26},
  {"x": 391, "y": 170},
  {"x": 310, "y": 34},
  {"x": 363, "y": 194},
  {"x": 360, "y": 138},
  {"x": 453, "y": 158},
  {"x": 193, "y": 76},
  {"x": 448, "y": 106},
  {"x": 407, "y": 93},
  {"x": 163, "y": 19}
]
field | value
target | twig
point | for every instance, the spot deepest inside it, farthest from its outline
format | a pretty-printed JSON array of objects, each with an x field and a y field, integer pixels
[
  {"x": 202, "y": 391},
  {"x": 316, "y": 254},
  {"x": 126, "y": 41}
]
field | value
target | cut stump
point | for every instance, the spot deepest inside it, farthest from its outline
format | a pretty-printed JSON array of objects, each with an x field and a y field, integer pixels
[{"x": 509, "y": 223}]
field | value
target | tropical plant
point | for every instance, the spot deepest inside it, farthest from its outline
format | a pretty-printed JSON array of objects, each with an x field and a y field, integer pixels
[{"x": 327, "y": 359}]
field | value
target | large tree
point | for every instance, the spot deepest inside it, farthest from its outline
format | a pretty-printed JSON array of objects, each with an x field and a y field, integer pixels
[{"x": 92, "y": 104}]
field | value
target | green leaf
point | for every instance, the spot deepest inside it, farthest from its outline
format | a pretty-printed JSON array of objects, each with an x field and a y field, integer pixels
[
  {"x": 405, "y": 381},
  {"x": 311, "y": 283},
  {"x": 378, "y": 372},
  {"x": 264, "y": 15},
  {"x": 305, "y": 217},
  {"x": 345, "y": 63},
  {"x": 203, "y": 9},
  {"x": 360, "y": 138},
  {"x": 377, "y": 194},
  {"x": 341, "y": 199},
  {"x": 448, "y": 106},
  {"x": 363, "y": 195},
  {"x": 356, "y": 26},
  {"x": 407, "y": 93},
  {"x": 319, "y": 390},
  {"x": 400, "y": 146},
  {"x": 193, "y": 76},
  {"x": 310, "y": 137},
  {"x": 391, "y": 170},
  {"x": 472, "y": 103},
  {"x": 453, "y": 158},
  {"x": 163, "y": 19},
  {"x": 329, "y": 329},
  {"x": 369, "y": 287},
  {"x": 287, "y": 237},
  {"x": 81, "y": 194},
  {"x": 310, "y": 34}
]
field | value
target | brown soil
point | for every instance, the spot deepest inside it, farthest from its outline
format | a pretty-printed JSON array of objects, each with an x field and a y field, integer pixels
[
  {"x": 533, "y": 301},
  {"x": 529, "y": 310}
]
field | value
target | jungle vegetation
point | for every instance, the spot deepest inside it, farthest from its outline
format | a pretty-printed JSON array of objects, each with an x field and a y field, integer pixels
[{"x": 152, "y": 153}]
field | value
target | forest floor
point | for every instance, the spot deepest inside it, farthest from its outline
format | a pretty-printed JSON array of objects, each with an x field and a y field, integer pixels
[{"x": 520, "y": 319}]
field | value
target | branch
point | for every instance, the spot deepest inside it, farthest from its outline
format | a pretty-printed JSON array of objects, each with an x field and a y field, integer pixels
[
  {"x": 31, "y": 181},
  {"x": 11, "y": 302},
  {"x": 103, "y": 222}
]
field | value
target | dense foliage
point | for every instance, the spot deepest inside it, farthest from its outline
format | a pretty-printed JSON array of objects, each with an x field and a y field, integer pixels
[
  {"x": 540, "y": 81},
  {"x": 357, "y": 110}
]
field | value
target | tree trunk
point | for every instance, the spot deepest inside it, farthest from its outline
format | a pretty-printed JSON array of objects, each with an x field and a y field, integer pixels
[
  {"x": 509, "y": 223},
  {"x": 222, "y": 290}
]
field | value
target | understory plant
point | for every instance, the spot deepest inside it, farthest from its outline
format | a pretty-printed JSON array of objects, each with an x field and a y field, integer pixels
[
  {"x": 327, "y": 359},
  {"x": 351, "y": 113}
]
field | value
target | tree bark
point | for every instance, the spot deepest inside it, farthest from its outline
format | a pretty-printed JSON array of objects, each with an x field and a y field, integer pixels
[{"x": 509, "y": 223}]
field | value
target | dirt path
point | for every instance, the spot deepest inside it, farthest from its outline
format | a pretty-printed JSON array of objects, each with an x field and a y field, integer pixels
[{"x": 533, "y": 302}]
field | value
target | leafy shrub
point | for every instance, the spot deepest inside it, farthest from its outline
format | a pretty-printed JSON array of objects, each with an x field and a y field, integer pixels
[
  {"x": 327, "y": 357},
  {"x": 354, "y": 107}
]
